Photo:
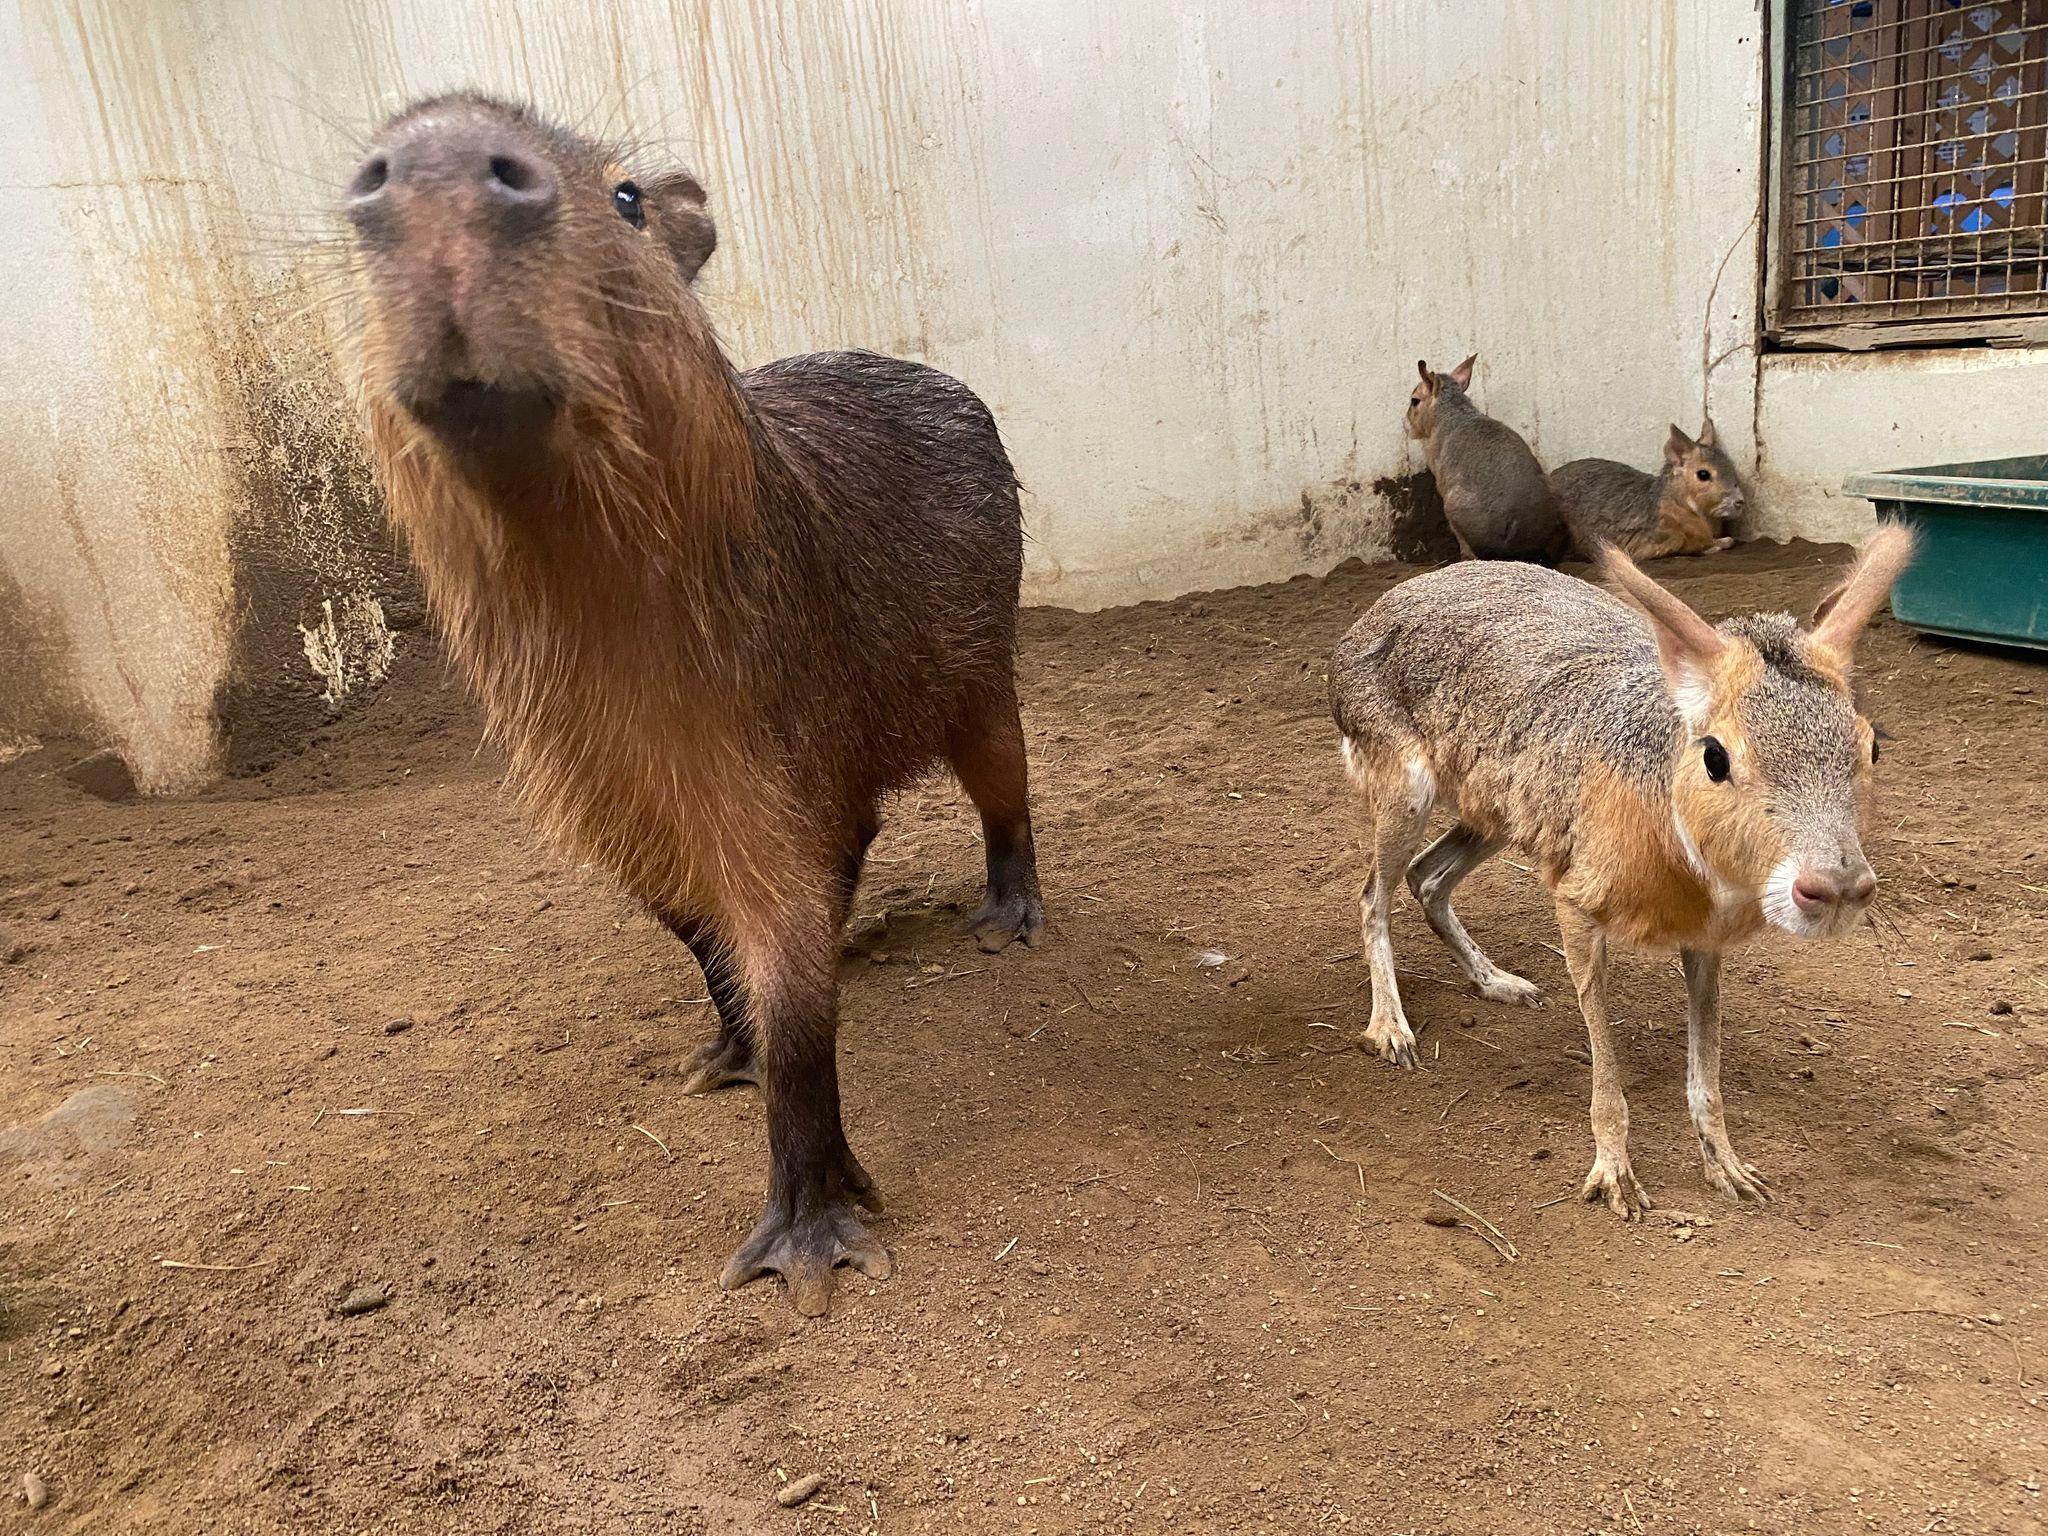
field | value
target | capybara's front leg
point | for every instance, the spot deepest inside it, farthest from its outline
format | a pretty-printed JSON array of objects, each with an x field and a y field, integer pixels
[
  {"x": 810, "y": 1224},
  {"x": 988, "y": 755}
]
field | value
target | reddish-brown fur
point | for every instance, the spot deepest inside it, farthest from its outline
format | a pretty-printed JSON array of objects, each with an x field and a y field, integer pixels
[{"x": 715, "y": 616}]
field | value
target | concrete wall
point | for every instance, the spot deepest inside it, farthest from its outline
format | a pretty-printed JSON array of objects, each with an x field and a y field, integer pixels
[
  {"x": 1189, "y": 252},
  {"x": 1824, "y": 415}
]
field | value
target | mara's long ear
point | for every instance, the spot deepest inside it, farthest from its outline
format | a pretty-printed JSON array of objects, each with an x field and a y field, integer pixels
[
  {"x": 1462, "y": 374},
  {"x": 1687, "y": 645},
  {"x": 1422, "y": 367},
  {"x": 1677, "y": 445},
  {"x": 1708, "y": 437},
  {"x": 1843, "y": 612},
  {"x": 677, "y": 201}
]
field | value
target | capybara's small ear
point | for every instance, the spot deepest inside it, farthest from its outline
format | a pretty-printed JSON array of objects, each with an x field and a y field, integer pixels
[
  {"x": 677, "y": 201},
  {"x": 1462, "y": 374}
]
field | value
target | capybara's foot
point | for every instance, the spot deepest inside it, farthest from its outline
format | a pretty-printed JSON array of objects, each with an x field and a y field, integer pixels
[
  {"x": 804, "y": 1240},
  {"x": 1394, "y": 1040},
  {"x": 720, "y": 1062},
  {"x": 1507, "y": 987},
  {"x": 1613, "y": 1182},
  {"x": 1001, "y": 921},
  {"x": 1729, "y": 1174}
]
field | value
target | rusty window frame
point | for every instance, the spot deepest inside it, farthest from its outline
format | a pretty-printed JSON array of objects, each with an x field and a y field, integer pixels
[{"x": 1909, "y": 173}]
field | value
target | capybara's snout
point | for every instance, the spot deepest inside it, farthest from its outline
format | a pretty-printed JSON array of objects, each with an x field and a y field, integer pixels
[{"x": 469, "y": 171}]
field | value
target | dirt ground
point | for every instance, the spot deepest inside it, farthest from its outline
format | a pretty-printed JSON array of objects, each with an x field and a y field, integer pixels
[{"x": 1163, "y": 1255}]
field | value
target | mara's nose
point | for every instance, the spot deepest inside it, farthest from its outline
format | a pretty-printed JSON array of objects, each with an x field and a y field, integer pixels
[
  {"x": 458, "y": 168},
  {"x": 1818, "y": 890}
]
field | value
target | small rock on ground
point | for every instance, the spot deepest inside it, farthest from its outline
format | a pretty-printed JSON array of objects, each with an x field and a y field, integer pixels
[
  {"x": 789, "y": 1495},
  {"x": 364, "y": 1298},
  {"x": 33, "y": 1491}
]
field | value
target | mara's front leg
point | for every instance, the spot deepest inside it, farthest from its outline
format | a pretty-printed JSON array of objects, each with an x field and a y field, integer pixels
[
  {"x": 810, "y": 1224},
  {"x": 1611, "y": 1178},
  {"x": 1726, "y": 1171}
]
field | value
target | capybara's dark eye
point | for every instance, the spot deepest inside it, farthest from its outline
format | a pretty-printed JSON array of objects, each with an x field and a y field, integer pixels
[
  {"x": 1715, "y": 756},
  {"x": 626, "y": 198},
  {"x": 1705, "y": 474}
]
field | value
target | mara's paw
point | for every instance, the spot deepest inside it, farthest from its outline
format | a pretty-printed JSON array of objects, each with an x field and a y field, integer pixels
[
  {"x": 1612, "y": 1182},
  {"x": 804, "y": 1248},
  {"x": 725, "y": 1059},
  {"x": 1394, "y": 1040},
  {"x": 1506, "y": 987},
  {"x": 1002, "y": 921},
  {"x": 1737, "y": 1180}
]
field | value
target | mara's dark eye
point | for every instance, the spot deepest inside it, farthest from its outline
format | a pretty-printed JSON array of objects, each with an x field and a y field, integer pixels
[
  {"x": 1704, "y": 474},
  {"x": 1715, "y": 756},
  {"x": 626, "y": 198}
]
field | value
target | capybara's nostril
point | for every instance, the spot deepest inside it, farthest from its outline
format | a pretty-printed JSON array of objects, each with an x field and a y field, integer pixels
[
  {"x": 369, "y": 179},
  {"x": 1861, "y": 886},
  {"x": 513, "y": 179}
]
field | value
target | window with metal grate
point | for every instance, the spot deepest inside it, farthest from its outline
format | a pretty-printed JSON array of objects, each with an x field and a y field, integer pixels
[{"x": 1912, "y": 144}]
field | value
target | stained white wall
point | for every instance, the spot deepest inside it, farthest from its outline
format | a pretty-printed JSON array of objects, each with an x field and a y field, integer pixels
[
  {"x": 1823, "y": 416},
  {"x": 1188, "y": 251}
]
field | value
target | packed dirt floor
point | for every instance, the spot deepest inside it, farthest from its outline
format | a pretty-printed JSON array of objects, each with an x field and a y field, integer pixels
[{"x": 1170, "y": 1252}]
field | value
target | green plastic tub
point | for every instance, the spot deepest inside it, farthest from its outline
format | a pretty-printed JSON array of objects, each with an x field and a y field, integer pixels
[{"x": 1983, "y": 567}]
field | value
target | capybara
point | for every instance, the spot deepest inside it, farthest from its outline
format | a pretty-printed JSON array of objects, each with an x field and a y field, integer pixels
[
  {"x": 715, "y": 616},
  {"x": 1676, "y": 784},
  {"x": 1683, "y": 509},
  {"x": 1496, "y": 498}
]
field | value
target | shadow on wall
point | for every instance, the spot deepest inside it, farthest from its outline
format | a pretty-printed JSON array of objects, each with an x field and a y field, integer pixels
[
  {"x": 323, "y": 592},
  {"x": 1418, "y": 533},
  {"x": 37, "y": 700}
]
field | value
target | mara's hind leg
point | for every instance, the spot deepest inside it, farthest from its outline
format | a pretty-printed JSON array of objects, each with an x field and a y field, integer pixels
[
  {"x": 1399, "y": 790},
  {"x": 1434, "y": 875},
  {"x": 987, "y": 752}
]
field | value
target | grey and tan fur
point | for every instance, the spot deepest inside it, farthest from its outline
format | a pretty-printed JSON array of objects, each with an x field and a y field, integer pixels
[
  {"x": 1685, "y": 508},
  {"x": 1496, "y": 498},
  {"x": 1676, "y": 784}
]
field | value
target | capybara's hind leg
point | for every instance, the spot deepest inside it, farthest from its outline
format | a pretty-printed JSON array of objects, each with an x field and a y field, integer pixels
[
  {"x": 1401, "y": 790},
  {"x": 852, "y": 859},
  {"x": 728, "y": 1057},
  {"x": 988, "y": 755},
  {"x": 810, "y": 1224},
  {"x": 1434, "y": 875}
]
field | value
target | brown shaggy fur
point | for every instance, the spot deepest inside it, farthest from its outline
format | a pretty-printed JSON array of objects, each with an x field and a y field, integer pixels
[{"x": 715, "y": 616}]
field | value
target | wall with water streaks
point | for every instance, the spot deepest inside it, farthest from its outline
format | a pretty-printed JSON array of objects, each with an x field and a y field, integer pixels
[{"x": 1188, "y": 252}]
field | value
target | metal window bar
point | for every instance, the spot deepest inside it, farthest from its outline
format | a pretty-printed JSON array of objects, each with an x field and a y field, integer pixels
[{"x": 1915, "y": 163}]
